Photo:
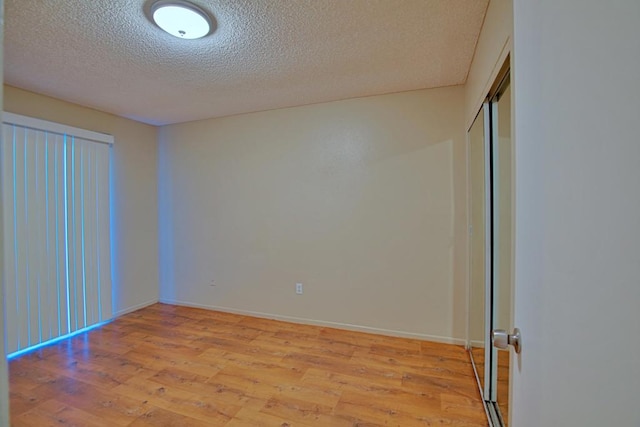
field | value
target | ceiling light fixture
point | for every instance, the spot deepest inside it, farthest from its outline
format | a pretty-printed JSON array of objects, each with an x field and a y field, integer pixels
[{"x": 181, "y": 19}]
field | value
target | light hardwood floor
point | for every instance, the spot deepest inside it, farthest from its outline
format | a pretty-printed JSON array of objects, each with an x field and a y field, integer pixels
[{"x": 176, "y": 366}]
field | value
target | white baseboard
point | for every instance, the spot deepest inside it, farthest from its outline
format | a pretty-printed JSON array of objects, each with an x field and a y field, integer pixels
[
  {"x": 477, "y": 343},
  {"x": 337, "y": 325},
  {"x": 134, "y": 308}
]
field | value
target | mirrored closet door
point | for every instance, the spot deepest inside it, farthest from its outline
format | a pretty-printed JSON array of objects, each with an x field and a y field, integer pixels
[
  {"x": 480, "y": 246},
  {"x": 491, "y": 250}
]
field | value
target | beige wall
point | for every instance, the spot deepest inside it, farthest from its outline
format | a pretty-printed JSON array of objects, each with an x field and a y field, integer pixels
[
  {"x": 354, "y": 199},
  {"x": 134, "y": 207}
]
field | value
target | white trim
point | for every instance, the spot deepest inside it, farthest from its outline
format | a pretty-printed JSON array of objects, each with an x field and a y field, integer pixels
[
  {"x": 38, "y": 124},
  {"x": 467, "y": 148},
  {"x": 505, "y": 51},
  {"x": 133, "y": 308},
  {"x": 337, "y": 325},
  {"x": 4, "y": 373},
  {"x": 489, "y": 392},
  {"x": 477, "y": 343}
]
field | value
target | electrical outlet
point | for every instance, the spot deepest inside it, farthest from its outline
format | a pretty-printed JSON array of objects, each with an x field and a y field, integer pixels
[{"x": 299, "y": 288}]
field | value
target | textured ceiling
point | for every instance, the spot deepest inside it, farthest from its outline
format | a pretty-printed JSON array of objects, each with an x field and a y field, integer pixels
[{"x": 264, "y": 54}]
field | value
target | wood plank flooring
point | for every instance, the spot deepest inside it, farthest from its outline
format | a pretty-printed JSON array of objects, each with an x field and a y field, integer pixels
[{"x": 176, "y": 366}]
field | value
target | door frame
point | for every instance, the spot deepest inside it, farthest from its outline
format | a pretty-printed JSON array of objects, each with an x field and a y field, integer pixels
[{"x": 488, "y": 390}]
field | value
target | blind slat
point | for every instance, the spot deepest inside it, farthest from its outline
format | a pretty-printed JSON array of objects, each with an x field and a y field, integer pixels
[
  {"x": 21, "y": 239},
  {"x": 9, "y": 233},
  {"x": 61, "y": 247},
  {"x": 103, "y": 231},
  {"x": 40, "y": 250}
]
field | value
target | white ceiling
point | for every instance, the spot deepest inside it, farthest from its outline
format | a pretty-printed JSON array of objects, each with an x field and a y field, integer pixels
[{"x": 265, "y": 54}]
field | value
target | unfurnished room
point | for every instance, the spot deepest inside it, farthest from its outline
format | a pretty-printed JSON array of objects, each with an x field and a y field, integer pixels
[{"x": 320, "y": 213}]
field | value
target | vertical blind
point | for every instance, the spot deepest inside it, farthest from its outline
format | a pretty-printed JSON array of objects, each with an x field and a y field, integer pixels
[{"x": 55, "y": 182}]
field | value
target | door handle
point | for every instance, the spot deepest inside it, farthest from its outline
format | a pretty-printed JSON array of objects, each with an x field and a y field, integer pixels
[{"x": 502, "y": 339}]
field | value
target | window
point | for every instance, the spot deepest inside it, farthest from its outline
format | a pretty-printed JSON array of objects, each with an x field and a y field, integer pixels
[{"x": 55, "y": 197}]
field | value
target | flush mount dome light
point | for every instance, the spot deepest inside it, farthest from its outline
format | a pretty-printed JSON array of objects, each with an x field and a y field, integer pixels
[{"x": 181, "y": 19}]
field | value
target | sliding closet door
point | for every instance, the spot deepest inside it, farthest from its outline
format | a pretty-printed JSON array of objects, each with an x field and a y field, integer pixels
[
  {"x": 56, "y": 225},
  {"x": 502, "y": 283},
  {"x": 480, "y": 248},
  {"x": 491, "y": 227}
]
